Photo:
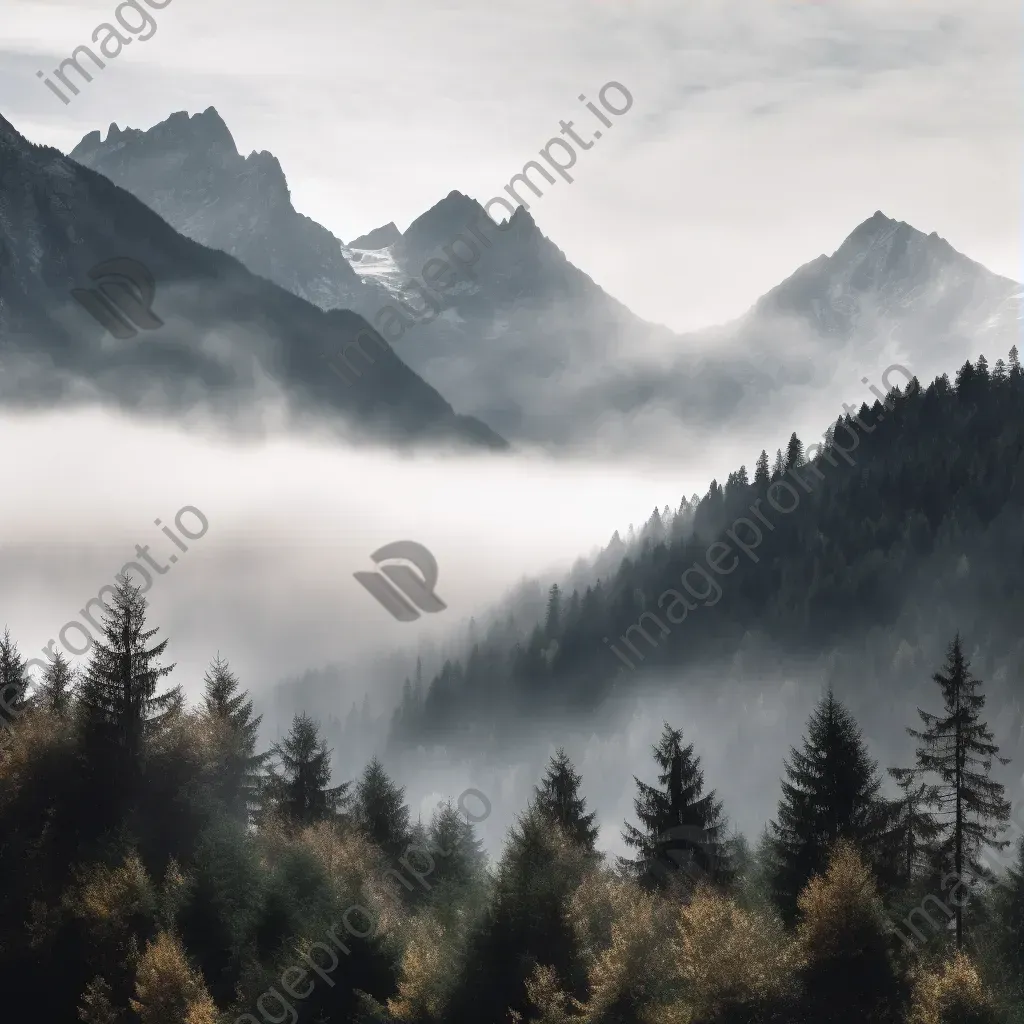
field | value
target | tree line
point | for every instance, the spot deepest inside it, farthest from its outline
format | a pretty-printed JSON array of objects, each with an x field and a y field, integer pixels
[{"x": 159, "y": 868}]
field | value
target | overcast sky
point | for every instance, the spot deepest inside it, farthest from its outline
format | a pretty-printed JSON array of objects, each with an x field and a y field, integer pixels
[{"x": 762, "y": 131}]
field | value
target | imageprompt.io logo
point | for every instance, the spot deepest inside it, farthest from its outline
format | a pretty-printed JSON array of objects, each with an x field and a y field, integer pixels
[
  {"x": 123, "y": 299},
  {"x": 397, "y": 588}
]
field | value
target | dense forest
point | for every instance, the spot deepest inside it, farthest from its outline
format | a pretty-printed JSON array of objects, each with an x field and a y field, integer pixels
[
  {"x": 859, "y": 555},
  {"x": 159, "y": 867}
]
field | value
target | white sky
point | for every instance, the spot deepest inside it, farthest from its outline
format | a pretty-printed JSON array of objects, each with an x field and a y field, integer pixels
[{"x": 762, "y": 131}]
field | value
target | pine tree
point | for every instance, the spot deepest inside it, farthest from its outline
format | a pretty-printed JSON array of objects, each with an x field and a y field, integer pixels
[
  {"x": 915, "y": 828},
  {"x": 831, "y": 794},
  {"x": 239, "y": 768},
  {"x": 380, "y": 810},
  {"x": 762, "y": 474},
  {"x": 970, "y": 807},
  {"x": 457, "y": 852},
  {"x": 56, "y": 688},
  {"x": 558, "y": 797},
  {"x": 794, "y": 452},
  {"x": 118, "y": 696},
  {"x": 299, "y": 785},
  {"x": 682, "y": 826},
  {"x": 13, "y": 681},
  {"x": 1014, "y": 362},
  {"x": 554, "y": 612},
  {"x": 780, "y": 465}
]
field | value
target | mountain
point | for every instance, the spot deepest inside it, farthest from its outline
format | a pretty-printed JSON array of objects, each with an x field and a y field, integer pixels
[
  {"x": 224, "y": 340},
  {"x": 525, "y": 340},
  {"x": 189, "y": 170}
]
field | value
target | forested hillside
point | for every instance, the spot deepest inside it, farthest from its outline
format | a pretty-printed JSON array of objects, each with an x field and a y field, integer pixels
[
  {"x": 157, "y": 867},
  {"x": 905, "y": 523}
]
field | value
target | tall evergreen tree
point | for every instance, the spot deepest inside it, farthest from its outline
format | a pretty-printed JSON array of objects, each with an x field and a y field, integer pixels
[
  {"x": 457, "y": 852},
  {"x": 380, "y": 810},
  {"x": 794, "y": 452},
  {"x": 1014, "y": 361},
  {"x": 118, "y": 695},
  {"x": 780, "y": 465},
  {"x": 762, "y": 474},
  {"x": 13, "y": 678},
  {"x": 56, "y": 688},
  {"x": 956, "y": 746},
  {"x": 558, "y": 797},
  {"x": 299, "y": 784},
  {"x": 239, "y": 768},
  {"x": 682, "y": 827},
  {"x": 553, "y": 618},
  {"x": 831, "y": 792}
]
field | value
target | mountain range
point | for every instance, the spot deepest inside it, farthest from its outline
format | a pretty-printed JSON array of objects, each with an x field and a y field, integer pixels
[
  {"x": 531, "y": 345},
  {"x": 231, "y": 344}
]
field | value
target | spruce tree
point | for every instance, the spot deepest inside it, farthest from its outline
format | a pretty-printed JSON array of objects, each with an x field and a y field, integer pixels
[
  {"x": 1014, "y": 362},
  {"x": 558, "y": 797},
  {"x": 298, "y": 785},
  {"x": 239, "y": 768},
  {"x": 794, "y": 452},
  {"x": 118, "y": 697},
  {"x": 56, "y": 688},
  {"x": 831, "y": 792},
  {"x": 915, "y": 828},
  {"x": 780, "y": 465},
  {"x": 380, "y": 810},
  {"x": 762, "y": 474},
  {"x": 553, "y": 618},
  {"x": 457, "y": 852},
  {"x": 971, "y": 808},
  {"x": 682, "y": 827},
  {"x": 13, "y": 680}
]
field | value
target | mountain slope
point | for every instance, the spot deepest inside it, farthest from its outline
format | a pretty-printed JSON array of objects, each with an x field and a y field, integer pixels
[
  {"x": 854, "y": 570},
  {"x": 231, "y": 342}
]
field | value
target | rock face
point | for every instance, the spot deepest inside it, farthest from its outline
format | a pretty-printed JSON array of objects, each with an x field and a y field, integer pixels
[
  {"x": 519, "y": 336},
  {"x": 216, "y": 337},
  {"x": 189, "y": 171}
]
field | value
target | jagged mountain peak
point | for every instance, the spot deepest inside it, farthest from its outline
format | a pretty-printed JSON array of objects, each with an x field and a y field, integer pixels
[
  {"x": 189, "y": 170},
  {"x": 263, "y": 172},
  {"x": 442, "y": 222}
]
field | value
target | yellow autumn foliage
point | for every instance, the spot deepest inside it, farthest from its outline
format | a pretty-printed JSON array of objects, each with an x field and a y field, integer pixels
[
  {"x": 167, "y": 989},
  {"x": 109, "y": 897},
  {"x": 951, "y": 995},
  {"x": 425, "y": 974},
  {"x": 730, "y": 955},
  {"x": 639, "y": 965},
  {"x": 841, "y": 909}
]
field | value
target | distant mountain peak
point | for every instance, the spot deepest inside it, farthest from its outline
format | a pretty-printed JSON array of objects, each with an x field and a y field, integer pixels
[
  {"x": 884, "y": 264},
  {"x": 378, "y": 238}
]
